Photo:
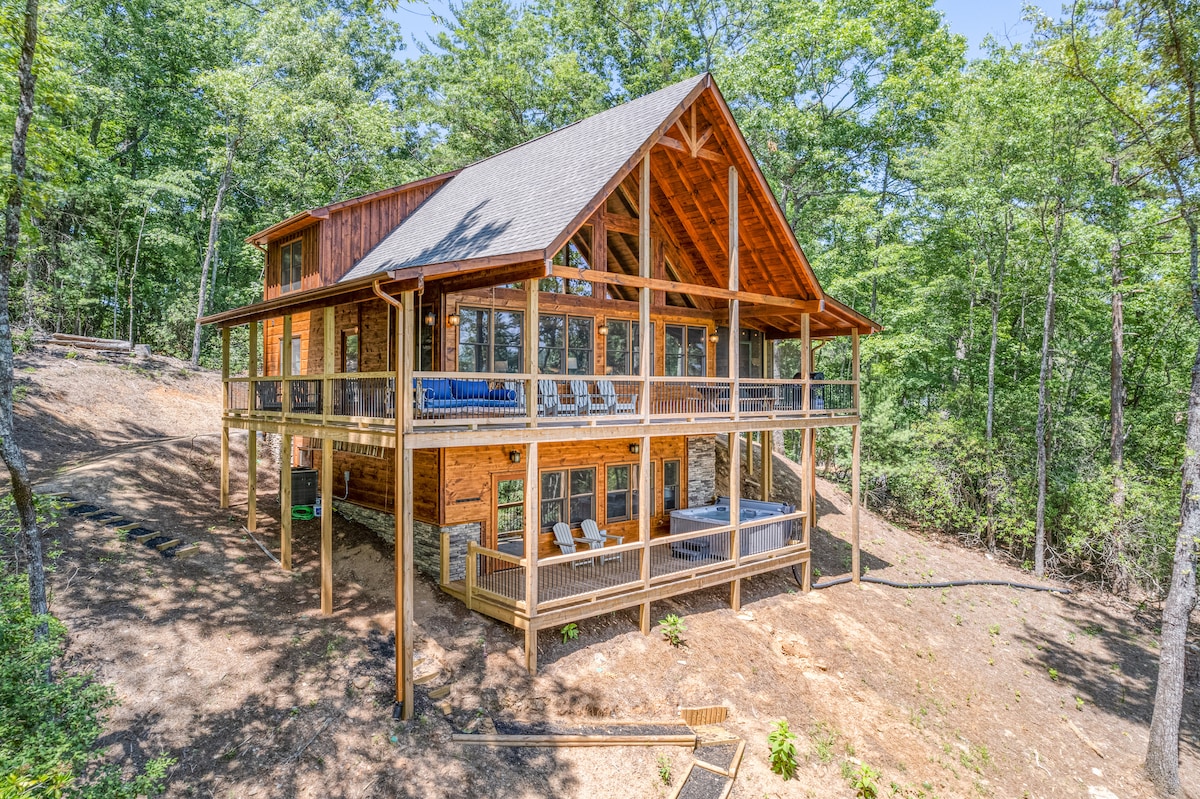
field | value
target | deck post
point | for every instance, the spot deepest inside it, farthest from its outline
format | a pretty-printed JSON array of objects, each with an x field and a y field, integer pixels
[
  {"x": 252, "y": 481},
  {"x": 326, "y": 525},
  {"x": 224, "y": 410},
  {"x": 645, "y": 258},
  {"x": 285, "y": 367},
  {"x": 531, "y": 348},
  {"x": 856, "y": 432},
  {"x": 735, "y": 595},
  {"x": 530, "y": 523},
  {"x": 645, "y": 518},
  {"x": 285, "y": 502},
  {"x": 735, "y": 371},
  {"x": 328, "y": 363},
  {"x": 403, "y": 506},
  {"x": 252, "y": 438}
]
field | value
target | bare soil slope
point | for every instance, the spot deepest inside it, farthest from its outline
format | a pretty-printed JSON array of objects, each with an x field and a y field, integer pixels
[{"x": 224, "y": 662}]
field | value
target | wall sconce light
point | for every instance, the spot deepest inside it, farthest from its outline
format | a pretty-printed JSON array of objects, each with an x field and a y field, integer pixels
[
  {"x": 430, "y": 318},
  {"x": 603, "y": 329},
  {"x": 635, "y": 449},
  {"x": 713, "y": 338},
  {"x": 515, "y": 456},
  {"x": 453, "y": 319}
]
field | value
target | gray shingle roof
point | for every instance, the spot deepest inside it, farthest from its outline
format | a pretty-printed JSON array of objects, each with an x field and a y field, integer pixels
[{"x": 522, "y": 199}]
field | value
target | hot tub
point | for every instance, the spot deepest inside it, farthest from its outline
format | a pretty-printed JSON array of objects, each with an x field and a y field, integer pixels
[{"x": 759, "y": 538}]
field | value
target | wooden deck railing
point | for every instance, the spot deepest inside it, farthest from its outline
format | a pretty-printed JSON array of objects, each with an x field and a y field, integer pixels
[
  {"x": 583, "y": 577},
  {"x": 448, "y": 399}
]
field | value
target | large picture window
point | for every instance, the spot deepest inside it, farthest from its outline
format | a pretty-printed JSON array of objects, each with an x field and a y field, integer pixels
[
  {"x": 291, "y": 262},
  {"x": 622, "y": 347},
  {"x": 490, "y": 341},
  {"x": 568, "y": 496},
  {"x": 686, "y": 351},
  {"x": 565, "y": 345},
  {"x": 621, "y": 492}
]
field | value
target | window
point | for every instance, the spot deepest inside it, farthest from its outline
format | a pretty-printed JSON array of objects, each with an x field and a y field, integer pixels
[
  {"x": 350, "y": 350},
  {"x": 291, "y": 262},
  {"x": 686, "y": 351},
  {"x": 510, "y": 510},
  {"x": 623, "y": 347},
  {"x": 621, "y": 493},
  {"x": 568, "y": 256},
  {"x": 568, "y": 496},
  {"x": 565, "y": 345},
  {"x": 490, "y": 341},
  {"x": 297, "y": 362},
  {"x": 670, "y": 486}
]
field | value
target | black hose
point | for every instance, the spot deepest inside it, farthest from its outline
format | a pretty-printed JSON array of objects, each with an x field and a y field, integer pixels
[{"x": 945, "y": 584}]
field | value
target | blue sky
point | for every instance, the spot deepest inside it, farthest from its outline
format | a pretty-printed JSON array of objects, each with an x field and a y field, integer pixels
[{"x": 975, "y": 19}]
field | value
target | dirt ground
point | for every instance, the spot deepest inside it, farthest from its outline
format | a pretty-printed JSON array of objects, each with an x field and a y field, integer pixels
[{"x": 223, "y": 661}]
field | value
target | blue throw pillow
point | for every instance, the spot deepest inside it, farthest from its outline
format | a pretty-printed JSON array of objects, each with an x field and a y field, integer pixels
[
  {"x": 470, "y": 389},
  {"x": 437, "y": 388},
  {"x": 506, "y": 394}
]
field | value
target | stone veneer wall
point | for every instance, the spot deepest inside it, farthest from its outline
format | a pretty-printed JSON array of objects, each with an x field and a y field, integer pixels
[
  {"x": 701, "y": 470},
  {"x": 427, "y": 539}
]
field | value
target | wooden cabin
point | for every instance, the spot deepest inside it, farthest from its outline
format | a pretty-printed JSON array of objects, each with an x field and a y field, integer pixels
[{"x": 555, "y": 334}]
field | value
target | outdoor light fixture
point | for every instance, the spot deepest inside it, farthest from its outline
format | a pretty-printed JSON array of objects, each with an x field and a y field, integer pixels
[
  {"x": 515, "y": 456},
  {"x": 453, "y": 319},
  {"x": 603, "y": 329},
  {"x": 430, "y": 318},
  {"x": 634, "y": 449},
  {"x": 713, "y": 338}
]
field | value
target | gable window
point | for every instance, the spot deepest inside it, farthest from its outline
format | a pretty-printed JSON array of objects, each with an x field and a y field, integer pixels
[
  {"x": 568, "y": 496},
  {"x": 623, "y": 347},
  {"x": 350, "y": 350},
  {"x": 490, "y": 341},
  {"x": 290, "y": 263},
  {"x": 565, "y": 345},
  {"x": 686, "y": 351},
  {"x": 670, "y": 486}
]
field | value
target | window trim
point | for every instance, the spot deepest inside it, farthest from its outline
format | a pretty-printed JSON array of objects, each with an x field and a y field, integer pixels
[
  {"x": 347, "y": 333},
  {"x": 566, "y": 348},
  {"x": 489, "y": 347},
  {"x": 678, "y": 479},
  {"x": 684, "y": 364},
  {"x": 631, "y": 492},
  {"x": 566, "y": 497}
]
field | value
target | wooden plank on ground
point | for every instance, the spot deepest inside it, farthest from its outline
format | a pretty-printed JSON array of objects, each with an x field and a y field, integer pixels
[
  {"x": 551, "y": 740},
  {"x": 187, "y": 552},
  {"x": 701, "y": 716},
  {"x": 165, "y": 545}
]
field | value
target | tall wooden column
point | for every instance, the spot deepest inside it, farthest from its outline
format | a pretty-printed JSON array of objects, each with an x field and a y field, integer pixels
[
  {"x": 645, "y": 257},
  {"x": 252, "y": 438},
  {"x": 855, "y": 468},
  {"x": 326, "y": 526},
  {"x": 735, "y": 373},
  {"x": 285, "y": 366},
  {"x": 285, "y": 502},
  {"x": 531, "y": 348},
  {"x": 645, "y": 518},
  {"x": 224, "y": 410},
  {"x": 532, "y": 494},
  {"x": 404, "y": 507},
  {"x": 806, "y": 432}
]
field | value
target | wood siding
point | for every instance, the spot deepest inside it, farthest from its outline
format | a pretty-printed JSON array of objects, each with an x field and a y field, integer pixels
[
  {"x": 350, "y": 232},
  {"x": 309, "y": 261}
]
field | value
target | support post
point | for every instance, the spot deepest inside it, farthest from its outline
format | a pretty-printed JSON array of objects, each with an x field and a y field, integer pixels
[
  {"x": 285, "y": 366},
  {"x": 404, "y": 508},
  {"x": 645, "y": 507},
  {"x": 645, "y": 257},
  {"x": 854, "y": 361},
  {"x": 767, "y": 469},
  {"x": 328, "y": 363},
  {"x": 224, "y": 410},
  {"x": 856, "y": 431},
  {"x": 735, "y": 595},
  {"x": 531, "y": 349},
  {"x": 252, "y": 482},
  {"x": 326, "y": 526},
  {"x": 285, "y": 502},
  {"x": 735, "y": 371},
  {"x": 532, "y": 492}
]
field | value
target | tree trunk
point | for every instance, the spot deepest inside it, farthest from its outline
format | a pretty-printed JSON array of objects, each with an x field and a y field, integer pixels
[
  {"x": 137, "y": 250},
  {"x": 214, "y": 225},
  {"x": 993, "y": 345},
  {"x": 1162, "y": 752},
  {"x": 10, "y": 451},
  {"x": 1043, "y": 416},
  {"x": 1116, "y": 412}
]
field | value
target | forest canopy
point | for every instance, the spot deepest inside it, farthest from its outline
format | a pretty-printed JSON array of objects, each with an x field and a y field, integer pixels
[{"x": 1003, "y": 217}]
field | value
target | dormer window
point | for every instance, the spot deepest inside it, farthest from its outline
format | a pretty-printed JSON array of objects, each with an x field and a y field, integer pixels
[{"x": 290, "y": 262}]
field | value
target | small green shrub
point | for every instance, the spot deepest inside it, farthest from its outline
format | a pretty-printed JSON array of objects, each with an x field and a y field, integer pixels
[
  {"x": 863, "y": 780},
  {"x": 569, "y": 632},
  {"x": 673, "y": 629},
  {"x": 782, "y": 743},
  {"x": 664, "y": 769}
]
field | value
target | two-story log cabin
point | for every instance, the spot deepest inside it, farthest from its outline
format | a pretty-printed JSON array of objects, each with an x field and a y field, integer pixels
[{"x": 551, "y": 336}]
